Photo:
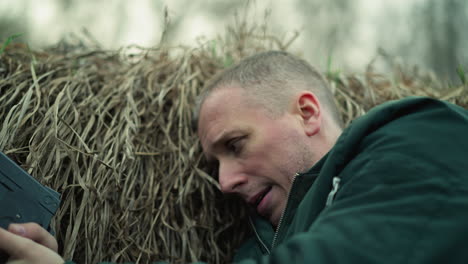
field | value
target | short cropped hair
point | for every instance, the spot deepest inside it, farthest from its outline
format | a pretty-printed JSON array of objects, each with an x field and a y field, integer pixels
[{"x": 271, "y": 78}]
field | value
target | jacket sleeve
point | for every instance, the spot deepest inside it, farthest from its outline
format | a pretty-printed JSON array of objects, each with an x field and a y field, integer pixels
[{"x": 402, "y": 199}]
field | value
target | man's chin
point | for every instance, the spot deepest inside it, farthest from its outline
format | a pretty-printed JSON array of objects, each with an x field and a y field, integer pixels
[{"x": 274, "y": 221}]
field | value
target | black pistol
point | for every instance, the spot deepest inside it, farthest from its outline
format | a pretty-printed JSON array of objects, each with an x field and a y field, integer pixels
[{"x": 23, "y": 199}]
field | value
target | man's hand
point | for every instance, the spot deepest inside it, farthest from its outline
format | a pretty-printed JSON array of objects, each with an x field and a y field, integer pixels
[
  {"x": 36, "y": 233},
  {"x": 24, "y": 250}
]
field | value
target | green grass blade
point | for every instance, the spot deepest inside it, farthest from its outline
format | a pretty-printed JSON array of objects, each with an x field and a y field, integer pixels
[
  {"x": 461, "y": 74},
  {"x": 8, "y": 41}
]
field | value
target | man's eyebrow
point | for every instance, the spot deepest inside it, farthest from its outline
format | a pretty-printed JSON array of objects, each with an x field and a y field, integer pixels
[
  {"x": 221, "y": 138},
  {"x": 217, "y": 142}
]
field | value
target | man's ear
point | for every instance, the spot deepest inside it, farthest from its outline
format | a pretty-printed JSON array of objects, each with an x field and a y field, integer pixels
[{"x": 309, "y": 109}]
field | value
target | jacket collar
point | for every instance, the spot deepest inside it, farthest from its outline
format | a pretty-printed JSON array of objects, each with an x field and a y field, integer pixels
[{"x": 263, "y": 229}]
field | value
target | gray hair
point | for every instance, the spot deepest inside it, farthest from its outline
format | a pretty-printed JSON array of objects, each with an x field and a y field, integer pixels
[{"x": 271, "y": 78}]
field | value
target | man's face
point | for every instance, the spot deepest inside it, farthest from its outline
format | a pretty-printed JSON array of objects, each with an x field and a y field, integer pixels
[{"x": 257, "y": 156}]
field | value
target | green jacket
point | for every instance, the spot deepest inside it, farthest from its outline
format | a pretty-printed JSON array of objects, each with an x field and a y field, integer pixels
[{"x": 393, "y": 189}]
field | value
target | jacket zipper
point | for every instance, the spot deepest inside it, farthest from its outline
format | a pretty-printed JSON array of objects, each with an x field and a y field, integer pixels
[{"x": 284, "y": 211}]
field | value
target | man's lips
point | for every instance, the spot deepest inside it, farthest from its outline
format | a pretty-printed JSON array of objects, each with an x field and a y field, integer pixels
[{"x": 257, "y": 199}]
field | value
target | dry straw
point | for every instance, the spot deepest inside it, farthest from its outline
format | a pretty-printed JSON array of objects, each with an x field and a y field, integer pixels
[{"x": 111, "y": 131}]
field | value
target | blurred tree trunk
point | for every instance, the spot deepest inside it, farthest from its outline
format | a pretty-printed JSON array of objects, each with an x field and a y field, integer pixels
[
  {"x": 445, "y": 23},
  {"x": 329, "y": 27}
]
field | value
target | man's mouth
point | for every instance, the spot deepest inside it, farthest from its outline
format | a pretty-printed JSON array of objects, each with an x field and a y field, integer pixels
[{"x": 256, "y": 201}]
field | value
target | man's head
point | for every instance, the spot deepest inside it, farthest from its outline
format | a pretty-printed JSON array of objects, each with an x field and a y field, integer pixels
[{"x": 262, "y": 121}]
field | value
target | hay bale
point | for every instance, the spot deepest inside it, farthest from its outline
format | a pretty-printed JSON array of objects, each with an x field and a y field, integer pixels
[
  {"x": 355, "y": 94},
  {"x": 111, "y": 131}
]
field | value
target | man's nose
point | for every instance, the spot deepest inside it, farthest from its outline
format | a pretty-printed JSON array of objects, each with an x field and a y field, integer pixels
[{"x": 230, "y": 177}]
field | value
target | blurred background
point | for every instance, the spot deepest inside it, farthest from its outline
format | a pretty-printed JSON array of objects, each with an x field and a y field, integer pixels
[{"x": 335, "y": 35}]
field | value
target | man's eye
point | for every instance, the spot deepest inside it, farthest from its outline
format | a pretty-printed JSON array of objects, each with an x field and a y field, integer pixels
[{"x": 235, "y": 145}]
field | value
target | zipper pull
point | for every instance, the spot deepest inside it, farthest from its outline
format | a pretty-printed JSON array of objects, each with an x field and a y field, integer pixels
[{"x": 331, "y": 195}]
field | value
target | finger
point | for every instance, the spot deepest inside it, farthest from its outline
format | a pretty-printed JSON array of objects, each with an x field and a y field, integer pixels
[
  {"x": 24, "y": 250},
  {"x": 12, "y": 244},
  {"x": 35, "y": 232}
]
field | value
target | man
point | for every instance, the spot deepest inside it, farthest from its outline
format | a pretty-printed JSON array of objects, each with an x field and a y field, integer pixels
[{"x": 390, "y": 188}]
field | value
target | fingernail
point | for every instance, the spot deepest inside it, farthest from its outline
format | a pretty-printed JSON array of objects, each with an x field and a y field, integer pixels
[{"x": 17, "y": 229}]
